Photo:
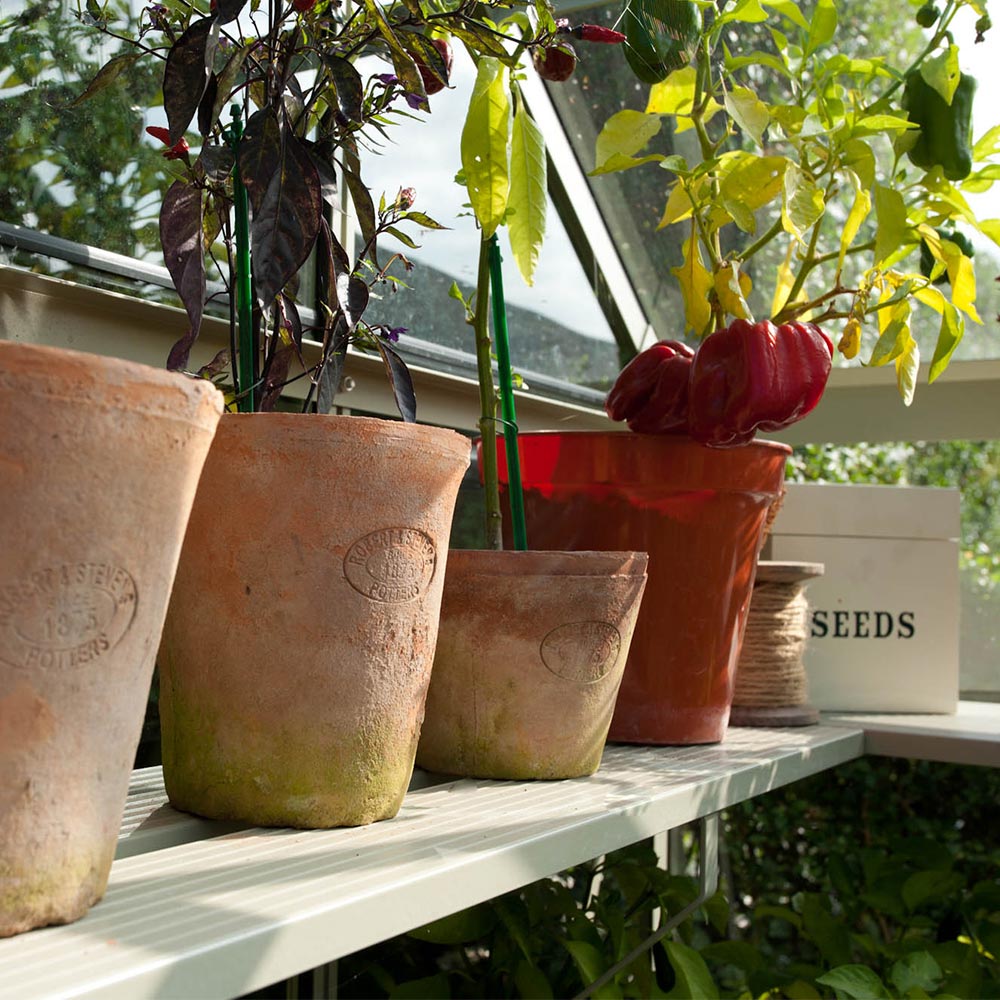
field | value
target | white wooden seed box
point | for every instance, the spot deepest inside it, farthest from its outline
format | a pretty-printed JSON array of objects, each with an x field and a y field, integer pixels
[{"x": 884, "y": 616}]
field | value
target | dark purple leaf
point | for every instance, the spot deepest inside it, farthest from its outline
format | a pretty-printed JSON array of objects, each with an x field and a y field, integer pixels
[
  {"x": 291, "y": 323},
  {"x": 327, "y": 176},
  {"x": 352, "y": 294},
  {"x": 350, "y": 88},
  {"x": 177, "y": 359},
  {"x": 294, "y": 103},
  {"x": 286, "y": 225},
  {"x": 228, "y": 10},
  {"x": 206, "y": 109},
  {"x": 399, "y": 379},
  {"x": 328, "y": 382},
  {"x": 186, "y": 74},
  {"x": 275, "y": 376},
  {"x": 216, "y": 366},
  {"x": 361, "y": 198},
  {"x": 217, "y": 162},
  {"x": 260, "y": 155},
  {"x": 181, "y": 227},
  {"x": 228, "y": 80}
]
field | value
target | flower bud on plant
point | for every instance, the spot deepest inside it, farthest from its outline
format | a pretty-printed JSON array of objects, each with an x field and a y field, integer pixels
[
  {"x": 554, "y": 62},
  {"x": 405, "y": 198}
]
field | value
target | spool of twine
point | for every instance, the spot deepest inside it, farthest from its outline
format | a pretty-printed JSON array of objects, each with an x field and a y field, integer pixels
[{"x": 771, "y": 686}]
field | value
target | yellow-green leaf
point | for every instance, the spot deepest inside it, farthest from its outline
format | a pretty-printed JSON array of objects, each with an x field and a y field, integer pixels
[
  {"x": 624, "y": 134},
  {"x": 749, "y": 112},
  {"x": 949, "y": 337},
  {"x": 894, "y": 323},
  {"x": 616, "y": 163},
  {"x": 962, "y": 276},
  {"x": 931, "y": 296},
  {"x": 991, "y": 228},
  {"x": 803, "y": 203},
  {"x": 696, "y": 283},
  {"x": 678, "y": 207},
  {"x": 890, "y": 234},
  {"x": 789, "y": 9},
  {"x": 731, "y": 289},
  {"x": 672, "y": 96},
  {"x": 485, "y": 145},
  {"x": 858, "y": 156},
  {"x": 907, "y": 369},
  {"x": 823, "y": 25},
  {"x": 857, "y": 215},
  {"x": 527, "y": 201},
  {"x": 749, "y": 182},
  {"x": 872, "y": 124},
  {"x": 784, "y": 281},
  {"x": 941, "y": 72},
  {"x": 987, "y": 144}
]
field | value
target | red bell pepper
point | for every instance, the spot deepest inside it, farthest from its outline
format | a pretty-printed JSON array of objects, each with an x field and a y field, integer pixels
[
  {"x": 651, "y": 392},
  {"x": 756, "y": 376}
]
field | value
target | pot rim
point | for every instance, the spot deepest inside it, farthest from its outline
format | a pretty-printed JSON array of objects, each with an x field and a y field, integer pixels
[
  {"x": 511, "y": 562},
  {"x": 678, "y": 440}
]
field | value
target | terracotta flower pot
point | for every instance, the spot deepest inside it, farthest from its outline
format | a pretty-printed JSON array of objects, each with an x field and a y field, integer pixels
[
  {"x": 530, "y": 655},
  {"x": 699, "y": 512},
  {"x": 300, "y": 637},
  {"x": 99, "y": 461}
]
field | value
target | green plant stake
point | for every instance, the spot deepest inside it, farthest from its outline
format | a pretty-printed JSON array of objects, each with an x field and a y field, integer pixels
[
  {"x": 245, "y": 398},
  {"x": 507, "y": 397}
]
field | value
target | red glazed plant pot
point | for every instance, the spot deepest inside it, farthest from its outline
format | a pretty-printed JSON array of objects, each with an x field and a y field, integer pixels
[
  {"x": 700, "y": 514},
  {"x": 99, "y": 462}
]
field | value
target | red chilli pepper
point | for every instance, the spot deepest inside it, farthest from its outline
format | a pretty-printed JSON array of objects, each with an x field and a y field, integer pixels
[
  {"x": 651, "y": 392},
  {"x": 756, "y": 376},
  {"x": 597, "y": 33},
  {"x": 178, "y": 151}
]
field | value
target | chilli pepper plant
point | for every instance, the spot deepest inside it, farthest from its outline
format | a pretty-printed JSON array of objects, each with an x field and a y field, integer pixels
[
  {"x": 818, "y": 184},
  {"x": 269, "y": 114}
]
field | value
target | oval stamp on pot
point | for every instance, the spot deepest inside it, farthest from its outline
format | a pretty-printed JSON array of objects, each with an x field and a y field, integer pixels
[
  {"x": 66, "y": 616},
  {"x": 392, "y": 565},
  {"x": 582, "y": 651}
]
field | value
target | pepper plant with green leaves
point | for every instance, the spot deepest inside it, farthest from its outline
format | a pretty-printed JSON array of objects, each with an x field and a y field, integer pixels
[
  {"x": 281, "y": 114},
  {"x": 845, "y": 163}
]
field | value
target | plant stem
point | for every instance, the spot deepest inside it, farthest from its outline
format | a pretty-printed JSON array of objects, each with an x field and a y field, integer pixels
[{"x": 487, "y": 401}]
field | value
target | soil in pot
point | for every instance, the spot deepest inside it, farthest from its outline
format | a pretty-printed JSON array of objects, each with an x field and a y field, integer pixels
[
  {"x": 530, "y": 655},
  {"x": 301, "y": 634},
  {"x": 700, "y": 513},
  {"x": 99, "y": 462}
]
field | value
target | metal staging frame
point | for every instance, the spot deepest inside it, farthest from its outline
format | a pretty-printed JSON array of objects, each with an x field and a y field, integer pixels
[{"x": 200, "y": 909}]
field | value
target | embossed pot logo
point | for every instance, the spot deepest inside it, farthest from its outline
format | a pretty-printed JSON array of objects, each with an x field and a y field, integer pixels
[
  {"x": 66, "y": 616},
  {"x": 582, "y": 651},
  {"x": 393, "y": 565}
]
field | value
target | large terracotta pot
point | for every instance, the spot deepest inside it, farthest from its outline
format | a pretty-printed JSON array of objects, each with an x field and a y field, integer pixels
[
  {"x": 699, "y": 512},
  {"x": 301, "y": 633},
  {"x": 530, "y": 655},
  {"x": 99, "y": 461}
]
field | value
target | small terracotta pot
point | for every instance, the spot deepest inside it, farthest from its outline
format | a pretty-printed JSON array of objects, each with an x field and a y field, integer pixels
[
  {"x": 300, "y": 637},
  {"x": 530, "y": 655},
  {"x": 700, "y": 513},
  {"x": 99, "y": 461}
]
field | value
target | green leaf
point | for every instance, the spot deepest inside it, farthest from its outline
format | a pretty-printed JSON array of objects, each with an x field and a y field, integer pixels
[
  {"x": 895, "y": 325},
  {"x": 616, "y": 163},
  {"x": 930, "y": 886},
  {"x": 105, "y": 76},
  {"x": 891, "y": 232},
  {"x": 458, "y": 928},
  {"x": 827, "y": 932},
  {"x": 803, "y": 204},
  {"x": 527, "y": 201},
  {"x": 872, "y": 124},
  {"x": 789, "y": 9},
  {"x": 942, "y": 72},
  {"x": 750, "y": 183},
  {"x": 531, "y": 981},
  {"x": 823, "y": 26},
  {"x": 693, "y": 977},
  {"x": 987, "y": 144},
  {"x": 747, "y": 11},
  {"x": 672, "y": 96},
  {"x": 907, "y": 370},
  {"x": 485, "y": 144},
  {"x": 918, "y": 969},
  {"x": 742, "y": 954},
  {"x": 749, "y": 112},
  {"x": 429, "y": 988},
  {"x": 592, "y": 964},
  {"x": 857, "y": 982}
]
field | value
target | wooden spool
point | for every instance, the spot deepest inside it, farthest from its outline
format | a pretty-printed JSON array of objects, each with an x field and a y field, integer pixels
[{"x": 771, "y": 679}]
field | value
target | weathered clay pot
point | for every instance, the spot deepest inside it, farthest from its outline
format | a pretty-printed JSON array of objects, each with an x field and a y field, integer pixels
[
  {"x": 300, "y": 637},
  {"x": 700, "y": 514},
  {"x": 99, "y": 461},
  {"x": 530, "y": 655}
]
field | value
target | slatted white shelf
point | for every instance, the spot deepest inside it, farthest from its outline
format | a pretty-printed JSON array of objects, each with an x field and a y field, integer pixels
[
  {"x": 228, "y": 912},
  {"x": 969, "y": 736}
]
